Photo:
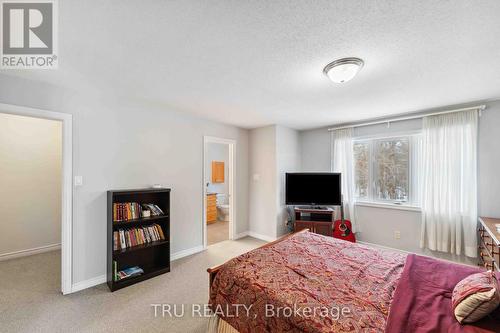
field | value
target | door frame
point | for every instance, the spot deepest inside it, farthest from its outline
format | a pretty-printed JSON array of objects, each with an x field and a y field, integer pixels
[
  {"x": 232, "y": 173},
  {"x": 67, "y": 185}
]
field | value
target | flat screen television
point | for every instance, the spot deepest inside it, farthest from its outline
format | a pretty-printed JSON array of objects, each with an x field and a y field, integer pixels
[{"x": 313, "y": 189}]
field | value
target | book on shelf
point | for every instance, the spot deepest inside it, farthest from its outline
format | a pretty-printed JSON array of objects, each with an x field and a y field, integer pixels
[
  {"x": 126, "y": 238},
  {"x": 127, "y": 272},
  {"x": 124, "y": 211},
  {"x": 154, "y": 209}
]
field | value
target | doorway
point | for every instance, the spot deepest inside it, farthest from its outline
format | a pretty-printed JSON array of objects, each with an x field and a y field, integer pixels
[
  {"x": 218, "y": 190},
  {"x": 36, "y": 153}
]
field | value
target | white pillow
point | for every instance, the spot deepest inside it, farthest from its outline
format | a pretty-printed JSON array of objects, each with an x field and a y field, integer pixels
[{"x": 475, "y": 297}]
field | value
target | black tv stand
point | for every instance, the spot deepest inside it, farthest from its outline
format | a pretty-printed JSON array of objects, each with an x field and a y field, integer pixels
[{"x": 313, "y": 207}]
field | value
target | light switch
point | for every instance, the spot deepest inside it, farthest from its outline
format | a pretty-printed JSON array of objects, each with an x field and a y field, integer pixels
[
  {"x": 256, "y": 177},
  {"x": 78, "y": 180}
]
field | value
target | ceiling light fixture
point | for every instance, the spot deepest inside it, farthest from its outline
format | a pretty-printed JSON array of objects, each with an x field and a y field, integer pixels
[{"x": 343, "y": 70}]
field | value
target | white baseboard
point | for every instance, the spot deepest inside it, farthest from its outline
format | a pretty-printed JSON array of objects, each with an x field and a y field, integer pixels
[
  {"x": 102, "y": 279},
  {"x": 185, "y": 253},
  {"x": 261, "y": 237},
  {"x": 240, "y": 235},
  {"x": 30, "y": 252},
  {"x": 382, "y": 247},
  {"x": 430, "y": 254},
  {"x": 88, "y": 283}
]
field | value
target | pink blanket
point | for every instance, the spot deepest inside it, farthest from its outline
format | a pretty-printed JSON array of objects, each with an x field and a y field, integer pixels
[
  {"x": 422, "y": 301},
  {"x": 308, "y": 283}
]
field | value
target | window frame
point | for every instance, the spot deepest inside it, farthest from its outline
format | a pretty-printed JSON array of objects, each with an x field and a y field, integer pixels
[{"x": 414, "y": 144}]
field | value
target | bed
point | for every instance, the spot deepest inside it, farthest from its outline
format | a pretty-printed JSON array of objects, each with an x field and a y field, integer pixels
[{"x": 306, "y": 282}]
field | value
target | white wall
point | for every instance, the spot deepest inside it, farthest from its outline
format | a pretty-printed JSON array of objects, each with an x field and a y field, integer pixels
[
  {"x": 129, "y": 146},
  {"x": 30, "y": 183},
  {"x": 315, "y": 150},
  {"x": 288, "y": 159},
  {"x": 263, "y": 180},
  {"x": 274, "y": 150},
  {"x": 489, "y": 161},
  {"x": 217, "y": 152},
  {"x": 378, "y": 224}
]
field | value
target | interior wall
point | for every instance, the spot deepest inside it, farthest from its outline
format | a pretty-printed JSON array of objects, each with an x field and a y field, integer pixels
[
  {"x": 378, "y": 225},
  {"x": 263, "y": 180},
  {"x": 30, "y": 183},
  {"x": 274, "y": 150},
  {"x": 288, "y": 159},
  {"x": 489, "y": 161},
  {"x": 315, "y": 150},
  {"x": 120, "y": 145},
  {"x": 217, "y": 152}
]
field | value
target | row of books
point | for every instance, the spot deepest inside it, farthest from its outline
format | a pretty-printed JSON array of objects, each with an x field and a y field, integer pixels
[
  {"x": 124, "y": 211},
  {"x": 125, "y": 238},
  {"x": 126, "y": 273}
]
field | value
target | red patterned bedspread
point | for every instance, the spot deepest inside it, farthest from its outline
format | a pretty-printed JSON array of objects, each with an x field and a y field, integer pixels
[{"x": 308, "y": 283}]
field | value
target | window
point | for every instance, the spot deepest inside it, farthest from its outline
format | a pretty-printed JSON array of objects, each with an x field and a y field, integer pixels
[
  {"x": 391, "y": 166},
  {"x": 383, "y": 169},
  {"x": 361, "y": 169}
]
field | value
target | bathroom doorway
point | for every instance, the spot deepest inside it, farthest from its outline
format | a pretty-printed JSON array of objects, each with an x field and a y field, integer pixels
[{"x": 218, "y": 174}]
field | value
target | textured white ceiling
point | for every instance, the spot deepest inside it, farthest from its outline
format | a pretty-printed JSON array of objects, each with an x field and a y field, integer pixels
[{"x": 254, "y": 63}]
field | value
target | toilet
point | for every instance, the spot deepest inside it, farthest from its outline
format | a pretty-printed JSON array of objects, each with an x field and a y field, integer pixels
[{"x": 222, "y": 207}]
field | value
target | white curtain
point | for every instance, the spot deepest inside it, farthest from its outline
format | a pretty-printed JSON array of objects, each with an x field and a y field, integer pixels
[
  {"x": 342, "y": 161},
  {"x": 449, "y": 183}
]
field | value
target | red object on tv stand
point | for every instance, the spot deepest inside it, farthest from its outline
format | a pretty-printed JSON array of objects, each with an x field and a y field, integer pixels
[{"x": 342, "y": 229}]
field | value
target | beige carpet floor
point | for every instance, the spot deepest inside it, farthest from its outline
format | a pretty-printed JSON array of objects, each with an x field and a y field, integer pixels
[
  {"x": 217, "y": 232},
  {"x": 30, "y": 298}
]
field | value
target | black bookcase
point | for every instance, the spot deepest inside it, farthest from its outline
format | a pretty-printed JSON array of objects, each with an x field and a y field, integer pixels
[{"x": 153, "y": 258}]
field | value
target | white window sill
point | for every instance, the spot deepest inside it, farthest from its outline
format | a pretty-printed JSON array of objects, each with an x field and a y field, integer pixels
[{"x": 387, "y": 205}]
